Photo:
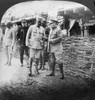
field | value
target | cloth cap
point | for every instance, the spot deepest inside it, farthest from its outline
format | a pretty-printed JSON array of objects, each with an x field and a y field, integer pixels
[
  {"x": 53, "y": 21},
  {"x": 9, "y": 23},
  {"x": 24, "y": 20}
]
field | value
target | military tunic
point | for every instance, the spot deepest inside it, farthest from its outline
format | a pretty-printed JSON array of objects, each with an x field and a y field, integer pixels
[
  {"x": 35, "y": 40},
  {"x": 9, "y": 39},
  {"x": 56, "y": 48}
]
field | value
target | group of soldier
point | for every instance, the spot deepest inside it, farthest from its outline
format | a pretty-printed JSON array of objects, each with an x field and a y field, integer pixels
[{"x": 33, "y": 41}]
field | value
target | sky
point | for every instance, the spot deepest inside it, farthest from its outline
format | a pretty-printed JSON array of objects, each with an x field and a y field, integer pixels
[{"x": 32, "y": 7}]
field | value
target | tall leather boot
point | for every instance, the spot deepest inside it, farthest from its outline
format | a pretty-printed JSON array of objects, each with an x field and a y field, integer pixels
[
  {"x": 31, "y": 60},
  {"x": 61, "y": 70},
  {"x": 53, "y": 69},
  {"x": 36, "y": 65}
]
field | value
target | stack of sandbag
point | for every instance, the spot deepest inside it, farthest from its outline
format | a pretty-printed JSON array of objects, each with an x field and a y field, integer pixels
[{"x": 78, "y": 52}]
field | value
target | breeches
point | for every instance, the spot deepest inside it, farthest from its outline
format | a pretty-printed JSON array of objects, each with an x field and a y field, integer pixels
[
  {"x": 23, "y": 49},
  {"x": 35, "y": 53}
]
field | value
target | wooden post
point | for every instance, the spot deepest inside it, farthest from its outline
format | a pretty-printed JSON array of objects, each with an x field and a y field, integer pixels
[
  {"x": 82, "y": 31},
  {"x": 68, "y": 32},
  {"x": 85, "y": 31},
  {"x": 81, "y": 26}
]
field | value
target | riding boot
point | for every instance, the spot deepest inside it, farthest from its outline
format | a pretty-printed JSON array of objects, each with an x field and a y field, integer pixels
[
  {"x": 36, "y": 65},
  {"x": 61, "y": 70},
  {"x": 53, "y": 69},
  {"x": 31, "y": 60}
]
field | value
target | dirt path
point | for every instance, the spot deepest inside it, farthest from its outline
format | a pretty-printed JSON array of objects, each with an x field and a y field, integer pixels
[{"x": 16, "y": 85}]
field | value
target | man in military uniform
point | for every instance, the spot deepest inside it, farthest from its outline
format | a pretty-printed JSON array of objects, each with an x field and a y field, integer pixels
[
  {"x": 44, "y": 53},
  {"x": 1, "y": 36},
  {"x": 36, "y": 34},
  {"x": 21, "y": 36},
  {"x": 9, "y": 41},
  {"x": 55, "y": 47}
]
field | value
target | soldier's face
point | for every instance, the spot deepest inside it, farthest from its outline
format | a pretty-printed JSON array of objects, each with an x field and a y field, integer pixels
[
  {"x": 24, "y": 24},
  {"x": 44, "y": 23},
  {"x": 39, "y": 23},
  {"x": 9, "y": 26},
  {"x": 53, "y": 25}
]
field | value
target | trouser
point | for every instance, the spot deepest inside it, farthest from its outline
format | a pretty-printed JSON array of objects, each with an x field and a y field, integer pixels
[
  {"x": 42, "y": 59},
  {"x": 23, "y": 49},
  {"x": 53, "y": 63},
  {"x": 36, "y": 62},
  {"x": 34, "y": 57}
]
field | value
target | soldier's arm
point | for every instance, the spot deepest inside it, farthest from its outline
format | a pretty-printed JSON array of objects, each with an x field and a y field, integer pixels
[
  {"x": 14, "y": 37},
  {"x": 58, "y": 37},
  {"x": 28, "y": 35},
  {"x": 4, "y": 38},
  {"x": 44, "y": 35},
  {"x": 18, "y": 34},
  {"x": 1, "y": 34}
]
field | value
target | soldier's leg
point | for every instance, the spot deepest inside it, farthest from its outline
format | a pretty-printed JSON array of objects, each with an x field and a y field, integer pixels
[
  {"x": 37, "y": 59},
  {"x": 43, "y": 63},
  {"x": 36, "y": 65},
  {"x": 10, "y": 58},
  {"x": 30, "y": 66},
  {"x": 7, "y": 54},
  {"x": 10, "y": 55},
  {"x": 52, "y": 65},
  {"x": 40, "y": 61},
  {"x": 21, "y": 55},
  {"x": 31, "y": 56},
  {"x": 27, "y": 55},
  {"x": 61, "y": 70},
  {"x": 48, "y": 61},
  {"x": 52, "y": 69}
]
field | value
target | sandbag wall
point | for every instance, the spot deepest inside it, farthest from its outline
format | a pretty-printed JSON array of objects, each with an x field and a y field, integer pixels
[{"x": 79, "y": 53}]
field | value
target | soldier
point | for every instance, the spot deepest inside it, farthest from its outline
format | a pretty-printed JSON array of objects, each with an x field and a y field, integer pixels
[
  {"x": 43, "y": 57},
  {"x": 36, "y": 34},
  {"x": 21, "y": 37},
  {"x": 55, "y": 47},
  {"x": 9, "y": 41},
  {"x": 1, "y": 36}
]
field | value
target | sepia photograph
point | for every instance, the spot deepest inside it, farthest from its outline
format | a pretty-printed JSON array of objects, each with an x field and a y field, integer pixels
[{"x": 47, "y": 50}]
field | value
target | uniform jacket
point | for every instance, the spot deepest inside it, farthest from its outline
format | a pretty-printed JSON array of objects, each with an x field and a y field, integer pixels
[
  {"x": 53, "y": 35},
  {"x": 21, "y": 36},
  {"x": 9, "y": 37},
  {"x": 35, "y": 35}
]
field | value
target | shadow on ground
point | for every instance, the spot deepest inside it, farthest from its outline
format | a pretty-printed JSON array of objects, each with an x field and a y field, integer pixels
[{"x": 49, "y": 88}]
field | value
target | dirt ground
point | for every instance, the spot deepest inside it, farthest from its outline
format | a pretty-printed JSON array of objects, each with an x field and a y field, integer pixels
[{"x": 15, "y": 84}]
